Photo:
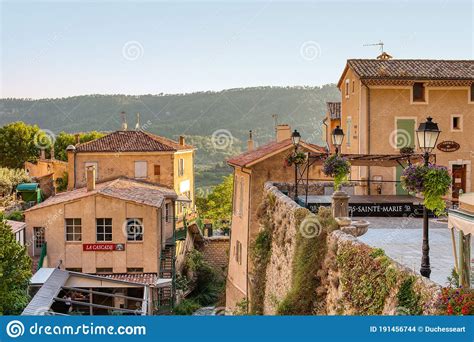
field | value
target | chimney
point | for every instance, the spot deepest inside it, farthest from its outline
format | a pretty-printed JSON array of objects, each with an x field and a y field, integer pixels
[
  {"x": 51, "y": 151},
  {"x": 78, "y": 138},
  {"x": 42, "y": 154},
  {"x": 250, "y": 142},
  {"x": 283, "y": 132},
  {"x": 90, "y": 177},
  {"x": 181, "y": 140},
  {"x": 124, "y": 121}
]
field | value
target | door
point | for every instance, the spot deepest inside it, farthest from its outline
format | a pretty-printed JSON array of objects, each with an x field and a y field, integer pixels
[
  {"x": 459, "y": 180},
  {"x": 38, "y": 240}
]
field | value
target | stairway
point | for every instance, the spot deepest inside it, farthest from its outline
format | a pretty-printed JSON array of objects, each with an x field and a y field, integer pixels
[{"x": 165, "y": 300}]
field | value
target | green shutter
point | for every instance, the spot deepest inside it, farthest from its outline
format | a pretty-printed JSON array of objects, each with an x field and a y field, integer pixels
[{"x": 405, "y": 133}]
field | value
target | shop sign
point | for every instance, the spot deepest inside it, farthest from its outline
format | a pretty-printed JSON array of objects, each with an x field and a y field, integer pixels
[
  {"x": 448, "y": 146},
  {"x": 103, "y": 247}
]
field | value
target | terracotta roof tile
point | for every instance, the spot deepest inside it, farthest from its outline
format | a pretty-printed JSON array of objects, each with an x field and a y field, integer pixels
[
  {"x": 418, "y": 69},
  {"x": 15, "y": 225},
  {"x": 139, "y": 278},
  {"x": 131, "y": 141},
  {"x": 122, "y": 188},
  {"x": 265, "y": 150}
]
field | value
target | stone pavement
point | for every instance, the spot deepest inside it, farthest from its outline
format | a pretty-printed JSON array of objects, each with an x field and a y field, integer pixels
[{"x": 401, "y": 238}]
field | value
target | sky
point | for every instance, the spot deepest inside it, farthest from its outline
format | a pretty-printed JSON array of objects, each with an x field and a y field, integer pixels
[{"x": 67, "y": 48}]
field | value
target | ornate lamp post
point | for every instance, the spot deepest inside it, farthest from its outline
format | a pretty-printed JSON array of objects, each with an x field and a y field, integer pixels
[
  {"x": 337, "y": 138},
  {"x": 295, "y": 138},
  {"x": 427, "y": 135}
]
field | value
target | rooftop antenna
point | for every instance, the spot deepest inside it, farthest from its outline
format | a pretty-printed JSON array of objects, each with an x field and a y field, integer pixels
[
  {"x": 380, "y": 44},
  {"x": 275, "y": 121},
  {"x": 124, "y": 121},
  {"x": 137, "y": 126}
]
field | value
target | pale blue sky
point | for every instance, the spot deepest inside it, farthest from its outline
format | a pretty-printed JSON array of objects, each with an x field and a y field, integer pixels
[{"x": 57, "y": 49}]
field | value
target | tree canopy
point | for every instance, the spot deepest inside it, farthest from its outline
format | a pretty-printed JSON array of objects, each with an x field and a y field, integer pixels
[
  {"x": 15, "y": 272},
  {"x": 217, "y": 205}
]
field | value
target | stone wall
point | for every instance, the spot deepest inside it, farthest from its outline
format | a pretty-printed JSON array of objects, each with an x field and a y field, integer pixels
[
  {"x": 335, "y": 272},
  {"x": 216, "y": 251}
]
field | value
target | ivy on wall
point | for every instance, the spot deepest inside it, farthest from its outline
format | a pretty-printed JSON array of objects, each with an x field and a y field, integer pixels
[{"x": 307, "y": 292}]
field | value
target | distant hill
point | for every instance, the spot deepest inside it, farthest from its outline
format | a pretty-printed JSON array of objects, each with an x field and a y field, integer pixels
[
  {"x": 236, "y": 110},
  {"x": 196, "y": 115}
]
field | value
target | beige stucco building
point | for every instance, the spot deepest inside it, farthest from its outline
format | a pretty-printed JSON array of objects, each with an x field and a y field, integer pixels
[
  {"x": 251, "y": 170},
  {"x": 139, "y": 155},
  {"x": 384, "y": 100}
]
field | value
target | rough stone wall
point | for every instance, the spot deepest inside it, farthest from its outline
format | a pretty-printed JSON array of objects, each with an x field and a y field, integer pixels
[
  {"x": 279, "y": 268},
  {"x": 335, "y": 294},
  {"x": 285, "y": 217},
  {"x": 216, "y": 251}
]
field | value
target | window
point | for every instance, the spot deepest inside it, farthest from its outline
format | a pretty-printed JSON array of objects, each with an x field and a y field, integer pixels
[
  {"x": 74, "y": 269},
  {"x": 96, "y": 165},
  {"x": 353, "y": 87},
  {"x": 472, "y": 92},
  {"x": 238, "y": 252},
  {"x": 73, "y": 229},
  {"x": 180, "y": 167},
  {"x": 349, "y": 129},
  {"x": 104, "y": 270},
  {"x": 134, "y": 269},
  {"x": 346, "y": 88},
  {"x": 140, "y": 169},
  {"x": 104, "y": 229},
  {"x": 456, "y": 123},
  {"x": 39, "y": 236},
  {"x": 418, "y": 92},
  {"x": 157, "y": 170},
  {"x": 134, "y": 229},
  {"x": 167, "y": 212}
]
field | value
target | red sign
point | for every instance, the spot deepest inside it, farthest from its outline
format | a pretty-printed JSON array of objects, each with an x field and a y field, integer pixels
[
  {"x": 448, "y": 146},
  {"x": 102, "y": 247}
]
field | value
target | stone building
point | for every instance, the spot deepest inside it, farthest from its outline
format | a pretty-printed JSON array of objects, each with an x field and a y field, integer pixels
[
  {"x": 251, "y": 170},
  {"x": 384, "y": 100}
]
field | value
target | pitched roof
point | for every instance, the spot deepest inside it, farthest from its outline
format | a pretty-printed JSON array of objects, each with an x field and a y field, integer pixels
[
  {"x": 412, "y": 69},
  {"x": 126, "y": 189},
  {"x": 251, "y": 157},
  {"x": 15, "y": 225},
  {"x": 139, "y": 278},
  {"x": 131, "y": 141}
]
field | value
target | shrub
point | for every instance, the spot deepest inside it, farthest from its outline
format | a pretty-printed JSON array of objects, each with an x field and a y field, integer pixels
[
  {"x": 10, "y": 178},
  {"x": 16, "y": 216},
  {"x": 408, "y": 299},
  {"x": 186, "y": 307},
  {"x": 456, "y": 301}
]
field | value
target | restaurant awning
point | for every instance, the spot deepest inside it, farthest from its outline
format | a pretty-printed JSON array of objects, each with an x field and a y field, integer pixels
[{"x": 385, "y": 160}]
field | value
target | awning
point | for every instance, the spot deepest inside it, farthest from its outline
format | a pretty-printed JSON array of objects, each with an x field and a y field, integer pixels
[
  {"x": 27, "y": 187},
  {"x": 182, "y": 198},
  {"x": 461, "y": 220},
  {"x": 385, "y": 160}
]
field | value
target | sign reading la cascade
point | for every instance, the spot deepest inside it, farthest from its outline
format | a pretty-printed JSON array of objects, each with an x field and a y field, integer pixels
[{"x": 103, "y": 247}]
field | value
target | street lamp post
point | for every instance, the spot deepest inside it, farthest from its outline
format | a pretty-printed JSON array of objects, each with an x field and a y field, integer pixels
[
  {"x": 295, "y": 138},
  {"x": 427, "y": 135},
  {"x": 337, "y": 138}
]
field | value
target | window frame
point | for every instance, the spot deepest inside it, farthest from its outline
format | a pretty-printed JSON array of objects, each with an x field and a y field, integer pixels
[
  {"x": 74, "y": 227},
  {"x": 348, "y": 130},
  {"x": 91, "y": 163},
  {"x": 346, "y": 88},
  {"x": 180, "y": 167},
  {"x": 155, "y": 167},
  {"x": 145, "y": 169},
  {"x": 425, "y": 94},
  {"x": 133, "y": 222},
  {"x": 470, "y": 94},
  {"x": 461, "y": 122},
  {"x": 39, "y": 237},
  {"x": 104, "y": 226}
]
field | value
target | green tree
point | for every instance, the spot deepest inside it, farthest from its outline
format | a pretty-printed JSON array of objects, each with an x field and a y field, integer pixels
[
  {"x": 217, "y": 206},
  {"x": 15, "y": 273},
  {"x": 17, "y": 144},
  {"x": 63, "y": 140}
]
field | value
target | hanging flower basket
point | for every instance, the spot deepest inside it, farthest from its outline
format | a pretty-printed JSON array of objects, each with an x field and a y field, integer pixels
[
  {"x": 297, "y": 158},
  {"x": 337, "y": 167},
  {"x": 432, "y": 181}
]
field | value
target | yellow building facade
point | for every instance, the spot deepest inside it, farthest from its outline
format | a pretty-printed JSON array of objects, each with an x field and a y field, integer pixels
[{"x": 384, "y": 100}]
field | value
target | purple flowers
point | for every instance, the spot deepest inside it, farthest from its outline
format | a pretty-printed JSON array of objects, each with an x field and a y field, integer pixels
[{"x": 337, "y": 167}]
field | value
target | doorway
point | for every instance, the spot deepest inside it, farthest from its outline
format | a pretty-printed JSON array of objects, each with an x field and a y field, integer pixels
[{"x": 459, "y": 180}]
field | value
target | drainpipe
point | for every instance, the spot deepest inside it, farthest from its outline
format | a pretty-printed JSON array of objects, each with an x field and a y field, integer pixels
[{"x": 248, "y": 239}]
